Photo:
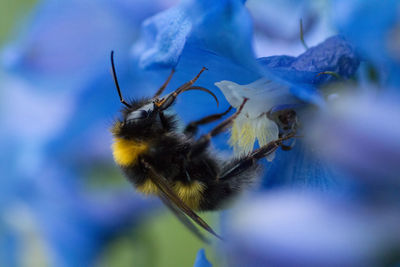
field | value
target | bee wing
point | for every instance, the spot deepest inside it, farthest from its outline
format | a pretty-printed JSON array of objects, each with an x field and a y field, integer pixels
[
  {"x": 180, "y": 206},
  {"x": 183, "y": 219}
]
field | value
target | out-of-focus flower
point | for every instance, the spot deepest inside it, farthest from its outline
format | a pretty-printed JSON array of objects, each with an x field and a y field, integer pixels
[
  {"x": 57, "y": 105},
  {"x": 276, "y": 25},
  {"x": 299, "y": 229},
  {"x": 355, "y": 136},
  {"x": 373, "y": 27},
  {"x": 360, "y": 133},
  {"x": 56, "y": 44}
]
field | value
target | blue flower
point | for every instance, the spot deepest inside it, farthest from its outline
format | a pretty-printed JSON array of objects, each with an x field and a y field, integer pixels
[
  {"x": 189, "y": 46},
  {"x": 297, "y": 75}
]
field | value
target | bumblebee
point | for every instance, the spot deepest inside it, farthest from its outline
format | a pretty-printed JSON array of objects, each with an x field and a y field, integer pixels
[{"x": 174, "y": 165}]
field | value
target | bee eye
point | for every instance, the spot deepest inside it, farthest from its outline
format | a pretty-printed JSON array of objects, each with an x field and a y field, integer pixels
[{"x": 137, "y": 115}]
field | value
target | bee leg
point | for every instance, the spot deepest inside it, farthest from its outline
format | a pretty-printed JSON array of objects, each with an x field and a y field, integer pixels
[
  {"x": 288, "y": 147},
  {"x": 162, "y": 88},
  {"x": 192, "y": 127},
  {"x": 238, "y": 174},
  {"x": 257, "y": 154},
  {"x": 248, "y": 161},
  {"x": 201, "y": 144}
]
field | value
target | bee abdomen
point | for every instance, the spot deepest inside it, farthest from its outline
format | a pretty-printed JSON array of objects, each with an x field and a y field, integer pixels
[{"x": 190, "y": 193}]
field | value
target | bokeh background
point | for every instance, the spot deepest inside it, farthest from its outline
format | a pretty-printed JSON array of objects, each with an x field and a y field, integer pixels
[{"x": 63, "y": 202}]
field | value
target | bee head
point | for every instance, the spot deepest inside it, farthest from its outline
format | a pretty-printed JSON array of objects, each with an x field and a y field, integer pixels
[
  {"x": 139, "y": 111},
  {"x": 142, "y": 121}
]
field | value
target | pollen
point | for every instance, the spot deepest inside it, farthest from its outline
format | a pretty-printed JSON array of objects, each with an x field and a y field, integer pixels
[
  {"x": 243, "y": 137},
  {"x": 191, "y": 194},
  {"x": 246, "y": 131},
  {"x": 126, "y": 152}
]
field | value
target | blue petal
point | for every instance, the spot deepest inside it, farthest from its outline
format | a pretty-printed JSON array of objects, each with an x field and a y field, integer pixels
[
  {"x": 201, "y": 260},
  {"x": 301, "y": 73},
  {"x": 68, "y": 41},
  {"x": 165, "y": 36},
  {"x": 373, "y": 26},
  {"x": 223, "y": 27},
  {"x": 301, "y": 167}
]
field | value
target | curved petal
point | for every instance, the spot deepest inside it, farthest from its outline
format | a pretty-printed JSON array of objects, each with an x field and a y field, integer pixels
[{"x": 223, "y": 27}]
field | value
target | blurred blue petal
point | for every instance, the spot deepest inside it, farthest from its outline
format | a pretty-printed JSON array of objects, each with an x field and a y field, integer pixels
[
  {"x": 58, "y": 104},
  {"x": 65, "y": 40},
  {"x": 373, "y": 26},
  {"x": 201, "y": 260},
  {"x": 165, "y": 34},
  {"x": 276, "y": 25},
  {"x": 50, "y": 208},
  {"x": 289, "y": 228},
  {"x": 361, "y": 134}
]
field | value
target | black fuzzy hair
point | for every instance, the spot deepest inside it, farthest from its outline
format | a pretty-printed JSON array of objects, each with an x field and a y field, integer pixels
[{"x": 148, "y": 128}]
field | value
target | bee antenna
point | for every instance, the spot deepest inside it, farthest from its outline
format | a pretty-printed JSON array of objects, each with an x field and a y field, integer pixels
[{"x": 114, "y": 74}]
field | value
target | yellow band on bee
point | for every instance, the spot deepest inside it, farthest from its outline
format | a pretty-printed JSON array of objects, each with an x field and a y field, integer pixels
[
  {"x": 147, "y": 187},
  {"x": 191, "y": 193},
  {"x": 126, "y": 152}
]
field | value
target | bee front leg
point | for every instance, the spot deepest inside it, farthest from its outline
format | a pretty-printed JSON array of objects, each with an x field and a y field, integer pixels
[
  {"x": 254, "y": 156},
  {"x": 192, "y": 128},
  {"x": 202, "y": 143},
  {"x": 237, "y": 175}
]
